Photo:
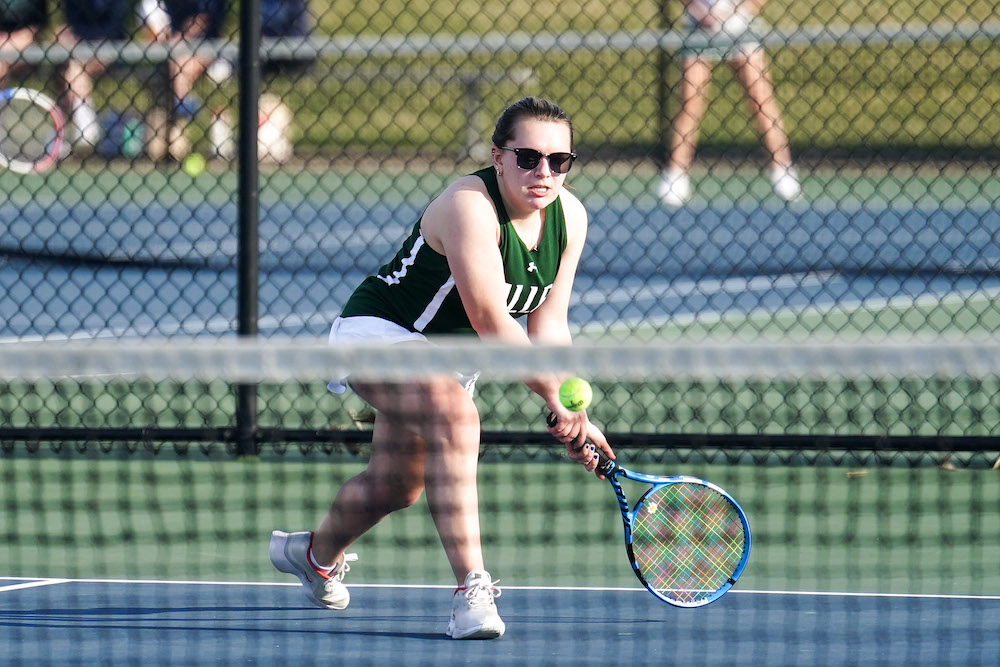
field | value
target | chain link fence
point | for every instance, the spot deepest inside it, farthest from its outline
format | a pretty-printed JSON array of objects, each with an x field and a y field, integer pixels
[{"x": 840, "y": 178}]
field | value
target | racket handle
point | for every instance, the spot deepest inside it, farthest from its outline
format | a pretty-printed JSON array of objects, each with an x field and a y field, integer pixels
[{"x": 604, "y": 465}]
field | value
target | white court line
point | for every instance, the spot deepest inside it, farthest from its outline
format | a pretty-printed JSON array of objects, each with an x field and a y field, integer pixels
[
  {"x": 593, "y": 589},
  {"x": 704, "y": 287},
  {"x": 32, "y": 584}
]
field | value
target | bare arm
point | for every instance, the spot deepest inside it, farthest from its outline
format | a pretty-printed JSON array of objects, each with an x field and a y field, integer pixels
[
  {"x": 549, "y": 323},
  {"x": 463, "y": 225}
]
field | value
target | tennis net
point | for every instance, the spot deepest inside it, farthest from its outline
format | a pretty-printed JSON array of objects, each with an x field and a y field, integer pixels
[{"x": 133, "y": 532}]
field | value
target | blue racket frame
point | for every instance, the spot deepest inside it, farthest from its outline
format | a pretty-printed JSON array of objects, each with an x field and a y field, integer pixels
[{"x": 612, "y": 471}]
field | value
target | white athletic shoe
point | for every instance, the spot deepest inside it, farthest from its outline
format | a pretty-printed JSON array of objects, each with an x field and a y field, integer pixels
[
  {"x": 87, "y": 131},
  {"x": 674, "y": 188},
  {"x": 289, "y": 553},
  {"x": 473, "y": 612},
  {"x": 785, "y": 182}
]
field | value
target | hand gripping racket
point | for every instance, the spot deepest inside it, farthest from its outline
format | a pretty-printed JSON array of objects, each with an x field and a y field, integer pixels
[{"x": 687, "y": 539}]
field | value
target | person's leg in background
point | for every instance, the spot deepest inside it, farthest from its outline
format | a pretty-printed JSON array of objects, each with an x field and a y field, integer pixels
[
  {"x": 675, "y": 185},
  {"x": 755, "y": 76}
]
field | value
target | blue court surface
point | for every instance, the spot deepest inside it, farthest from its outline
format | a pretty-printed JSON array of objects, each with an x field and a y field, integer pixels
[
  {"x": 120, "y": 268},
  {"x": 115, "y": 622}
]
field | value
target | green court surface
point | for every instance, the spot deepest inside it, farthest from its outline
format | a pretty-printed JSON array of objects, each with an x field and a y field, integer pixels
[{"x": 815, "y": 528}]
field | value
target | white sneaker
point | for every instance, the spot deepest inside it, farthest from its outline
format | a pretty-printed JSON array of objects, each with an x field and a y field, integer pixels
[
  {"x": 220, "y": 70},
  {"x": 786, "y": 183},
  {"x": 473, "y": 613},
  {"x": 289, "y": 553},
  {"x": 88, "y": 132},
  {"x": 674, "y": 188}
]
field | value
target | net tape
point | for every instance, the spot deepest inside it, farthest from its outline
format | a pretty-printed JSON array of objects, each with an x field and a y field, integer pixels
[{"x": 250, "y": 361}]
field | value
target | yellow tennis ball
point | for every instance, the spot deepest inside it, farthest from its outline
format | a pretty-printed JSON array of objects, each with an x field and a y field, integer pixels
[
  {"x": 575, "y": 394},
  {"x": 193, "y": 164}
]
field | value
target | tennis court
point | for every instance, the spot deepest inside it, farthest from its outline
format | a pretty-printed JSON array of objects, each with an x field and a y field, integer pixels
[{"x": 126, "y": 622}]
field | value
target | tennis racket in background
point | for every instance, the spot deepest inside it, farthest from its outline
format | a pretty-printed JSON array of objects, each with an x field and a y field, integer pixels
[
  {"x": 32, "y": 130},
  {"x": 688, "y": 540}
]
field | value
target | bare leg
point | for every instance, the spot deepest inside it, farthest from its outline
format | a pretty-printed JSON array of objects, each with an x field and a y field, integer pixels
[
  {"x": 693, "y": 91},
  {"x": 184, "y": 71},
  {"x": 754, "y": 74},
  {"x": 14, "y": 41},
  {"x": 79, "y": 76},
  {"x": 426, "y": 436}
]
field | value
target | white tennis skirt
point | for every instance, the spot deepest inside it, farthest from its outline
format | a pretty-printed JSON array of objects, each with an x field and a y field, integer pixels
[{"x": 363, "y": 329}]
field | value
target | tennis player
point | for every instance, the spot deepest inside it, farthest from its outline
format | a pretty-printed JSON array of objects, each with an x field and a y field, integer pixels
[
  {"x": 97, "y": 23},
  {"x": 723, "y": 30},
  {"x": 493, "y": 246}
]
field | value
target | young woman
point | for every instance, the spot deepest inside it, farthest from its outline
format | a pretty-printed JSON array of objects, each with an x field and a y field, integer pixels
[{"x": 497, "y": 244}]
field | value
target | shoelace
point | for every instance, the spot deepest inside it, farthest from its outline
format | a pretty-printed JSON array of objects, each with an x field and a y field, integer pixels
[
  {"x": 482, "y": 594},
  {"x": 344, "y": 567}
]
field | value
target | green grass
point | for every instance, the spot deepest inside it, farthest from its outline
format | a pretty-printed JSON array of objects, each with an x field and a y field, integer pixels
[
  {"x": 835, "y": 98},
  {"x": 192, "y": 516}
]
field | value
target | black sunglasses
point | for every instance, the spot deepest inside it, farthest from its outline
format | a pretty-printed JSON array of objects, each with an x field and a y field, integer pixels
[{"x": 528, "y": 159}]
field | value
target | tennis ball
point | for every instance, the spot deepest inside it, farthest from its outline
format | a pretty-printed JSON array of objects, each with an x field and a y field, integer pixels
[
  {"x": 193, "y": 164},
  {"x": 575, "y": 394}
]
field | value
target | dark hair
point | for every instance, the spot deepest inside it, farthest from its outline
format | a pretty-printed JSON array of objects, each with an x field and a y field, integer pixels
[{"x": 529, "y": 107}]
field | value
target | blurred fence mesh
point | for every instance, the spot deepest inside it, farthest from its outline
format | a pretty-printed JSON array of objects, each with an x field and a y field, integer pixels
[
  {"x": 869, "y": 480},
  {"x": 368, "y": 109},
  {"x": 884, "y": 548}
]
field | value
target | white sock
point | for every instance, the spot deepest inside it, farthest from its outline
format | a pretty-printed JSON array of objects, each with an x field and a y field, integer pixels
[
  {"x": 316, "y": 566},
  {"x": 674, "y": 174},
  {"x": 84, "y": 114}
]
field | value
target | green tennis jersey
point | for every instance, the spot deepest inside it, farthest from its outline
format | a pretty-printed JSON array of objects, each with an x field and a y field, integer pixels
[{"x": 417, "y": 291}]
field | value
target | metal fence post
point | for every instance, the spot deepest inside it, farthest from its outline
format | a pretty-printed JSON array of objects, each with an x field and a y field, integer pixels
[{"x": 248, "y": 203}]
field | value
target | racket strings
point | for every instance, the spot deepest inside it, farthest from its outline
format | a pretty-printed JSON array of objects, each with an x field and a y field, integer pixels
[
  {"x": 687, "y": 540},
  {"x": 31, "y": 130}
]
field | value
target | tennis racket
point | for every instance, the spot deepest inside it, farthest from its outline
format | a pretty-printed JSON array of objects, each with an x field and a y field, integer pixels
[
  {"x": 31, "y": 130},
  {"x": 688, "y": 540}
]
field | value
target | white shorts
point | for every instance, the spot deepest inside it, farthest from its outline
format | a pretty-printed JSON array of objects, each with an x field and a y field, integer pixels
[
  {"x": 735, "y": 39},
  {"x": 362, "y": 329}
]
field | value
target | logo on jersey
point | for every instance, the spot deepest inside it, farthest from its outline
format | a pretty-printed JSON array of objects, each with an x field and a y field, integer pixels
[{"x": 532, "y": 267}]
